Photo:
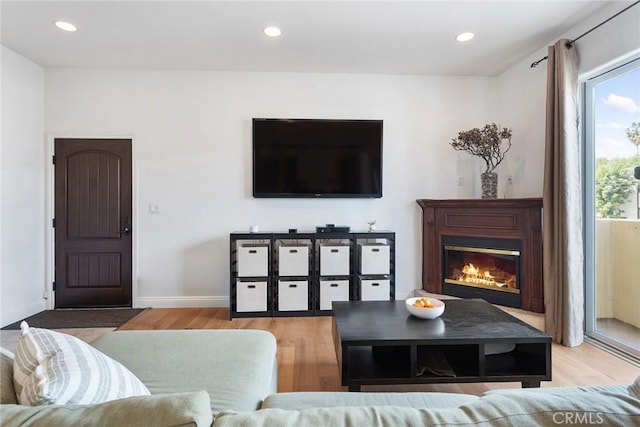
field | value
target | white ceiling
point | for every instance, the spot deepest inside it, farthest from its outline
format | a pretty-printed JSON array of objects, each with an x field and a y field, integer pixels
[{"x": 381, "y": 37}]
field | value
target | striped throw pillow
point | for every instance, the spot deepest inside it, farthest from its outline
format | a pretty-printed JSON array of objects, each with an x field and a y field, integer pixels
[
  {"x": 54, "y": 368},
  {"x": 634, "y": 389}
]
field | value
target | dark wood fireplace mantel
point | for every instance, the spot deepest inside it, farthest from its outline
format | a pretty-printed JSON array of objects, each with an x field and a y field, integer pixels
[{"x": 515, "y": 219}]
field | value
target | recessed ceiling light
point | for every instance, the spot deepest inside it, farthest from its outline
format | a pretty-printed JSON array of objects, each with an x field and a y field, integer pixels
[
  {"x": 272, "y": 31},
  {"x": 465, "y": 37},
  {"x": 65, "y": 26}
]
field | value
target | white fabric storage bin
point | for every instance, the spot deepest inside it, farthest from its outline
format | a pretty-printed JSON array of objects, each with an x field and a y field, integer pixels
[
  {"x": 293, "y": 260},
  {"x": 334, "y": 260},
  {"x": 251, "y": 296},
  {"x": 333, "y": 290},
  {"x": 293, "y": 295},
  {"x": 374, "y": 259},
  {"x": 374, "y": 290},
  {"x": 253, "y": 260}
]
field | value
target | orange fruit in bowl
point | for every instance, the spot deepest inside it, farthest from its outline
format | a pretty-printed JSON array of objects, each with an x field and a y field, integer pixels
[{"x": 423, "y": 302}]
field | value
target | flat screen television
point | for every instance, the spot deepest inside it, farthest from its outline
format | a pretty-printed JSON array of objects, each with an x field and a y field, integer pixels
[{"x": 317, "y": 158}]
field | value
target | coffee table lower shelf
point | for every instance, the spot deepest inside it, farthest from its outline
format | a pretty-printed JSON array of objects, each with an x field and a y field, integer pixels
[
  {"x": 528, "y": 363},
  {"x": 379, "y": 342}
]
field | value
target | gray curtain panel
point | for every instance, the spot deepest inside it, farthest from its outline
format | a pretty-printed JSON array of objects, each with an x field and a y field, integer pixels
[{"x": 562, "y": 201}]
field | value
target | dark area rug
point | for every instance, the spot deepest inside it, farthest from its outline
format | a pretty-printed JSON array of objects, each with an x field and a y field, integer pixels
[{"x": 89, "y": 318}]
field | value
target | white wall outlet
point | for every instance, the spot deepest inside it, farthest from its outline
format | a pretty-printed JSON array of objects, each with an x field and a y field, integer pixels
[
  {"x": 508, "y": 188},
  {"x": 154, "y": 209},
  {"x": 460, "y": 181}
]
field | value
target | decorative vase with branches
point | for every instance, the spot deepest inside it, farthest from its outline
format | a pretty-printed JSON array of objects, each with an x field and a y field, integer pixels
[{"x": 490, "y": 143}]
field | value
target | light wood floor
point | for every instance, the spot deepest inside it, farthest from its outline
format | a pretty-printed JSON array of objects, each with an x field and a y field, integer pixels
[
  {"x": 9, "y": 338},
  {"x": 307, "y": 362}
]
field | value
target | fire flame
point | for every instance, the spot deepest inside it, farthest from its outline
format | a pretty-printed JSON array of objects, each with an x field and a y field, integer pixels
[{"x": 475, "y": 275}]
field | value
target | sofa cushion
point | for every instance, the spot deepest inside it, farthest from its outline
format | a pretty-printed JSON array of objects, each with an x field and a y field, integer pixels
[
  {"x": 55, "y": 368},
  {"x": 7, "y": 392},
  {"x": 583, "y": 408},
  {"x": 185, "y": 409},
  {"x": 238, "y": 368},
  {"x": 306, "y": 400}
]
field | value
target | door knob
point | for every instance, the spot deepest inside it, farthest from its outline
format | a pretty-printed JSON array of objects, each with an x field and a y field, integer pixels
[{"x": 126, "y": 228}]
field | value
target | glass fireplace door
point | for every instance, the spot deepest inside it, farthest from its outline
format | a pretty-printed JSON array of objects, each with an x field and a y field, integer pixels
[
  {"x": 475, "y": 267},
  {"x": 495, "y": 269}
]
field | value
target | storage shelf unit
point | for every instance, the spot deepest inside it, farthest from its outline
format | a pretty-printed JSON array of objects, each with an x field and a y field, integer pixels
[
  {"x": 292, "y": 271},
  {"x": 300, "y": 274}
]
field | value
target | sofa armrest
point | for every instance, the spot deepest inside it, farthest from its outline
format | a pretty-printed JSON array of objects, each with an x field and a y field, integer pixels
[
  {"x": 181, "y": 409},
  {"x": 7, "y": 391}
]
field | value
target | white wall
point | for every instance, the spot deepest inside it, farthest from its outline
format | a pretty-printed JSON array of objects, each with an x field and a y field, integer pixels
[
  {"x": 617, "y": 39},
  {"x": 520, "y": 105},
  {"x": 521, "y": 91},
  {"x": 192, "y": 157},
  {"x": 21, "y": 189},
  {"x": 193, "y": 151}
]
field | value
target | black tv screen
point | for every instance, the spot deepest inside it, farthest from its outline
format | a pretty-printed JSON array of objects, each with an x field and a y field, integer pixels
[{"x": 317, "y": 158}]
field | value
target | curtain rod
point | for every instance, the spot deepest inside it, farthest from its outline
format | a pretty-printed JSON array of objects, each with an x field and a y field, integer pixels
[{"x": 569, "y": 44}]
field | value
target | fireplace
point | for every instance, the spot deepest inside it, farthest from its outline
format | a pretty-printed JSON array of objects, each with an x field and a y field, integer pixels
[
  {"x": 482, "y": 268},
  {"x": 484, "y": 248}
]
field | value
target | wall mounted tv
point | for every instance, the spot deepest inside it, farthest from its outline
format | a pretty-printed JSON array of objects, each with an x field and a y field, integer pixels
[{"x": 317, "y": 158}]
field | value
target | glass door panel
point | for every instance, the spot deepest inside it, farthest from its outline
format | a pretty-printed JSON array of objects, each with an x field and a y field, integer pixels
[{"x": 612, "y": 211}]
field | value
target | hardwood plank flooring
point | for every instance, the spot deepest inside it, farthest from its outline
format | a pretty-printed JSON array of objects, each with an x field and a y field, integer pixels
[
  {"x": 9, "y": 338},
  {"x": 307, "y": 361}
]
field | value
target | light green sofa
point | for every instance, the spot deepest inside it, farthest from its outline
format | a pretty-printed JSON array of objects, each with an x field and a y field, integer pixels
[
  {"x": 600, "y": 405},
  {"x": 229, "y": 378},
  {"x": 191, "y": 375}
]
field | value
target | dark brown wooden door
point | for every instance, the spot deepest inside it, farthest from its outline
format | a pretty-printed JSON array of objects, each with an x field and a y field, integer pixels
[{"x": 93, "y": 223}]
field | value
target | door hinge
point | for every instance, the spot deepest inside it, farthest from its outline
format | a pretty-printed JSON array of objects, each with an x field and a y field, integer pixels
[
  {"x": 54, "y": 160},
  {"x": 53, "y": 286},
  {"x": 53, "y": 223}
]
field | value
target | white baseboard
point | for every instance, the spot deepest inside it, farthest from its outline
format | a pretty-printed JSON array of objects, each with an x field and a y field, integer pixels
[
  {"x": 181, "y": 302},
  {"x": 19, "y": 313},
  {"x": 400, "y": 297}
]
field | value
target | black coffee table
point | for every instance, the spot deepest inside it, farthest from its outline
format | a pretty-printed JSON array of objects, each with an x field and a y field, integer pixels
[{"x": 380, "y": 342}]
